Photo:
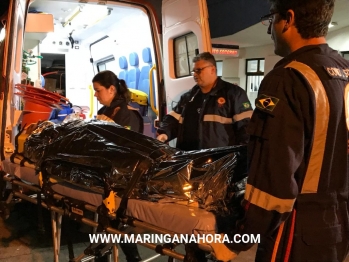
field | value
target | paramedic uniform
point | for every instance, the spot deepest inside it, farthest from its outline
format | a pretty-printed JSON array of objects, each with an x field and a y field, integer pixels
[
  {"x": 297, "y": 190},
  {"x": 221, "y": 118},
  {"x": 124, "y": 115}
]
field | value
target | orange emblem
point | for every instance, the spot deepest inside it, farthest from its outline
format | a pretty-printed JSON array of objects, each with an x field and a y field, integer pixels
[{"x": 221, "y": 101}]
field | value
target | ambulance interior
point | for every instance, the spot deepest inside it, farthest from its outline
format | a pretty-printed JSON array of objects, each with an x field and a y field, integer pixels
[
  {"x": 76, "y": 40},
  {"x": 67, "y": 42}
]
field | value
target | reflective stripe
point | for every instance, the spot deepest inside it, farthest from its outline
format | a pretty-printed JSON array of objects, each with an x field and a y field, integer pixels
[
  {"x": 267, "y": 201},
  {"x": 217, "y": 118},
  {"x": 322, "y": 111},
  {"x": 175, "y": 115},
  {"x": 243, "y": 115},
  {"x": 346, "y": 102}
]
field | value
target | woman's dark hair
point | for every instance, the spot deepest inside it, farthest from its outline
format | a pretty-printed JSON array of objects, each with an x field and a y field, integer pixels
[
  {"x": 312, "y": 17},
  {"x": 107, "y": 78}
]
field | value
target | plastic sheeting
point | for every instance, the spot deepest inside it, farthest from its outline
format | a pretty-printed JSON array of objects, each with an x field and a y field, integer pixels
[{"x": 102, "y": 156}]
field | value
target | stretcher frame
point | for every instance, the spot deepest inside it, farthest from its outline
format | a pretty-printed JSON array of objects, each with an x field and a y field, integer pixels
[{"x": 56, "y": 222}]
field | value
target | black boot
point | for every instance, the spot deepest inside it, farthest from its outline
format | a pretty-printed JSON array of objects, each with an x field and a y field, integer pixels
[
  {"x": 131, "y": 252},
  {"x": 194, "y": 254}
]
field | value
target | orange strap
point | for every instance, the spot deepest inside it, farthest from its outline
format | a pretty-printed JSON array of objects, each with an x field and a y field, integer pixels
[
  {"x": 277, "y": 242},
  {"x": 290, "y": 238}
]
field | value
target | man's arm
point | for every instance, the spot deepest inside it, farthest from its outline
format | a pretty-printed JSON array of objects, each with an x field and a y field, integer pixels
[
  {"x": 241, "y": 116},
  {"x": 170, "y": 124},
  {"x": 276, "y": 151}
]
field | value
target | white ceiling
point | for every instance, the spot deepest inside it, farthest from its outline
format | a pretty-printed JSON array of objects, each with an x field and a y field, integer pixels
[
  {"x": 256, "y": 35},
  {"x": 61, "y": 10}
]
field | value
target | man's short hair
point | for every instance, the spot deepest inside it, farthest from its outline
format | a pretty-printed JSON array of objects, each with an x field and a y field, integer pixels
[
  {"x": 207, "y": 56},
  {"x": 312, "y": 17}
]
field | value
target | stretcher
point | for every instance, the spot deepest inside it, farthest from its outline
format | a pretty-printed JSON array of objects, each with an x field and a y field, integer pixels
[
  {"x": 82, "y": 167},
  {"x": 150, "y": 216}
]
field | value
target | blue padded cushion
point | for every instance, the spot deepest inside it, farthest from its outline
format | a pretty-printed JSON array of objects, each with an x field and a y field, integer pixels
[
  {"x": 134, "y": 61},
  {"x": 146, "y": 55},
  {"x": 133, "y": 78},
  {"x": 123, "y": 75},
  {"x": 123, "y": 62}
]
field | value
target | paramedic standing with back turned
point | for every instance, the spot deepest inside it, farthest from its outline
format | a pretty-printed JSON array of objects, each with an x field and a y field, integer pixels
[
  {"x": 214, "y": 113},
  {"x": 297, "y": 190}
]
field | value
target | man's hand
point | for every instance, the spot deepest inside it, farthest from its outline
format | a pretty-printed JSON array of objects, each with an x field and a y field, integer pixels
[
  {"x": 221, "y": 252},
  {"x": 162, "y": 137}
]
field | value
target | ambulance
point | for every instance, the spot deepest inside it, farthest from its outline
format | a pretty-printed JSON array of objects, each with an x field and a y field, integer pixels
[{"x": 60, "y": 45}]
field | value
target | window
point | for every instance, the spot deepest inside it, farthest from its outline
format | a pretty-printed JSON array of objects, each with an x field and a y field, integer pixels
[
  {"x": 107, "y": 64},
  {"x": 219, "y": 67},
  {"x": 254, "y": 74},
  {"x": 185, "y": 48},
  {"x": 346, "y": 55}
]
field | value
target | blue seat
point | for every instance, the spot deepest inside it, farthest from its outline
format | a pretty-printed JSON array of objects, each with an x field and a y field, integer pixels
[
  {"x": 144, "y": 76},
  {"x": 144, "y": 85},
  {"x": 123, "y": 66},
  {"x": 133, "y": 74}
]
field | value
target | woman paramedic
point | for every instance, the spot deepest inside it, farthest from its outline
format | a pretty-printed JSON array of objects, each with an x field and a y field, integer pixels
[{"x": 114, "y": 95}]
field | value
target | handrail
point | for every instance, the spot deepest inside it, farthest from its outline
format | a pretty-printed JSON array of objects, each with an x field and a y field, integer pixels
[
  {"x": 151, "y": 88},
  {"x": 91, "y": 100}
]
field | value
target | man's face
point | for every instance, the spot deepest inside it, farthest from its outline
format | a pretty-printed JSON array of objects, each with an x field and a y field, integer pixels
[
  {"x": 276, "y": 30},
  {"x": 204, "y": 73}
]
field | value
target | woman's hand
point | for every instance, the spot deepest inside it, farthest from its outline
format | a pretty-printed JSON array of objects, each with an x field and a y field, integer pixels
[
  {"x": 162, "y": 137},
  {"x": 104, "y": 118}
]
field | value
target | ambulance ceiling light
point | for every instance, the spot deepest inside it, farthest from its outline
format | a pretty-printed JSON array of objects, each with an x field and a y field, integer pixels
[
  {"x": 72, "y": 16},
  {"x": 82, "y": 15}
]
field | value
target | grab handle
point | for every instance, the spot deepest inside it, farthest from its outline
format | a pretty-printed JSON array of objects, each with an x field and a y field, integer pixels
[{"x": 151, "y": 89}]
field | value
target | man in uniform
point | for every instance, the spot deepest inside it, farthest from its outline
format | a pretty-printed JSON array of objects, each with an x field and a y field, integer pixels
[
  {"x": 214, "y": 113},
  {"x": 298, "y": 186}
]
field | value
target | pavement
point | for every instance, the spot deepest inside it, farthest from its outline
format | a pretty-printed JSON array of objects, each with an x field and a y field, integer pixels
[{"x": 20, "y": 239}]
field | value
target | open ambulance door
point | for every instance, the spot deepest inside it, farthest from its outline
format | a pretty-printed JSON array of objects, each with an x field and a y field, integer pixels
[
  {"x": 185, "y": 34},
  {"x": 11, "y": 58},
  {"x": 156, "y": 79}
]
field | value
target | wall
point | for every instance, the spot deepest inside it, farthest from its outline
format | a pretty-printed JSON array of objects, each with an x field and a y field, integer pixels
[
  {"x": 131, "y": 34},
  {"x": 339, "y": 39},
  {"x": 78, "y": 76},
  {"x": 234, "y": 68}
]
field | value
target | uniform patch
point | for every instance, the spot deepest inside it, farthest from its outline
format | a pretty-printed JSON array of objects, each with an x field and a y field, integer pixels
[
  {"x": 221, "y": 101},
  {"x": 334, "y": 72},
  {"x": 265, "y": 102},
  {"x": 246, "y": 105}
]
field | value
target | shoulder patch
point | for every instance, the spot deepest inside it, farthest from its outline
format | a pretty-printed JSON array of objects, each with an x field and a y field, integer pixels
[
  {"x": 265, "y": 102},
  {"x": 246, "y": 105},
  {"x": 335, "y": 72}
]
